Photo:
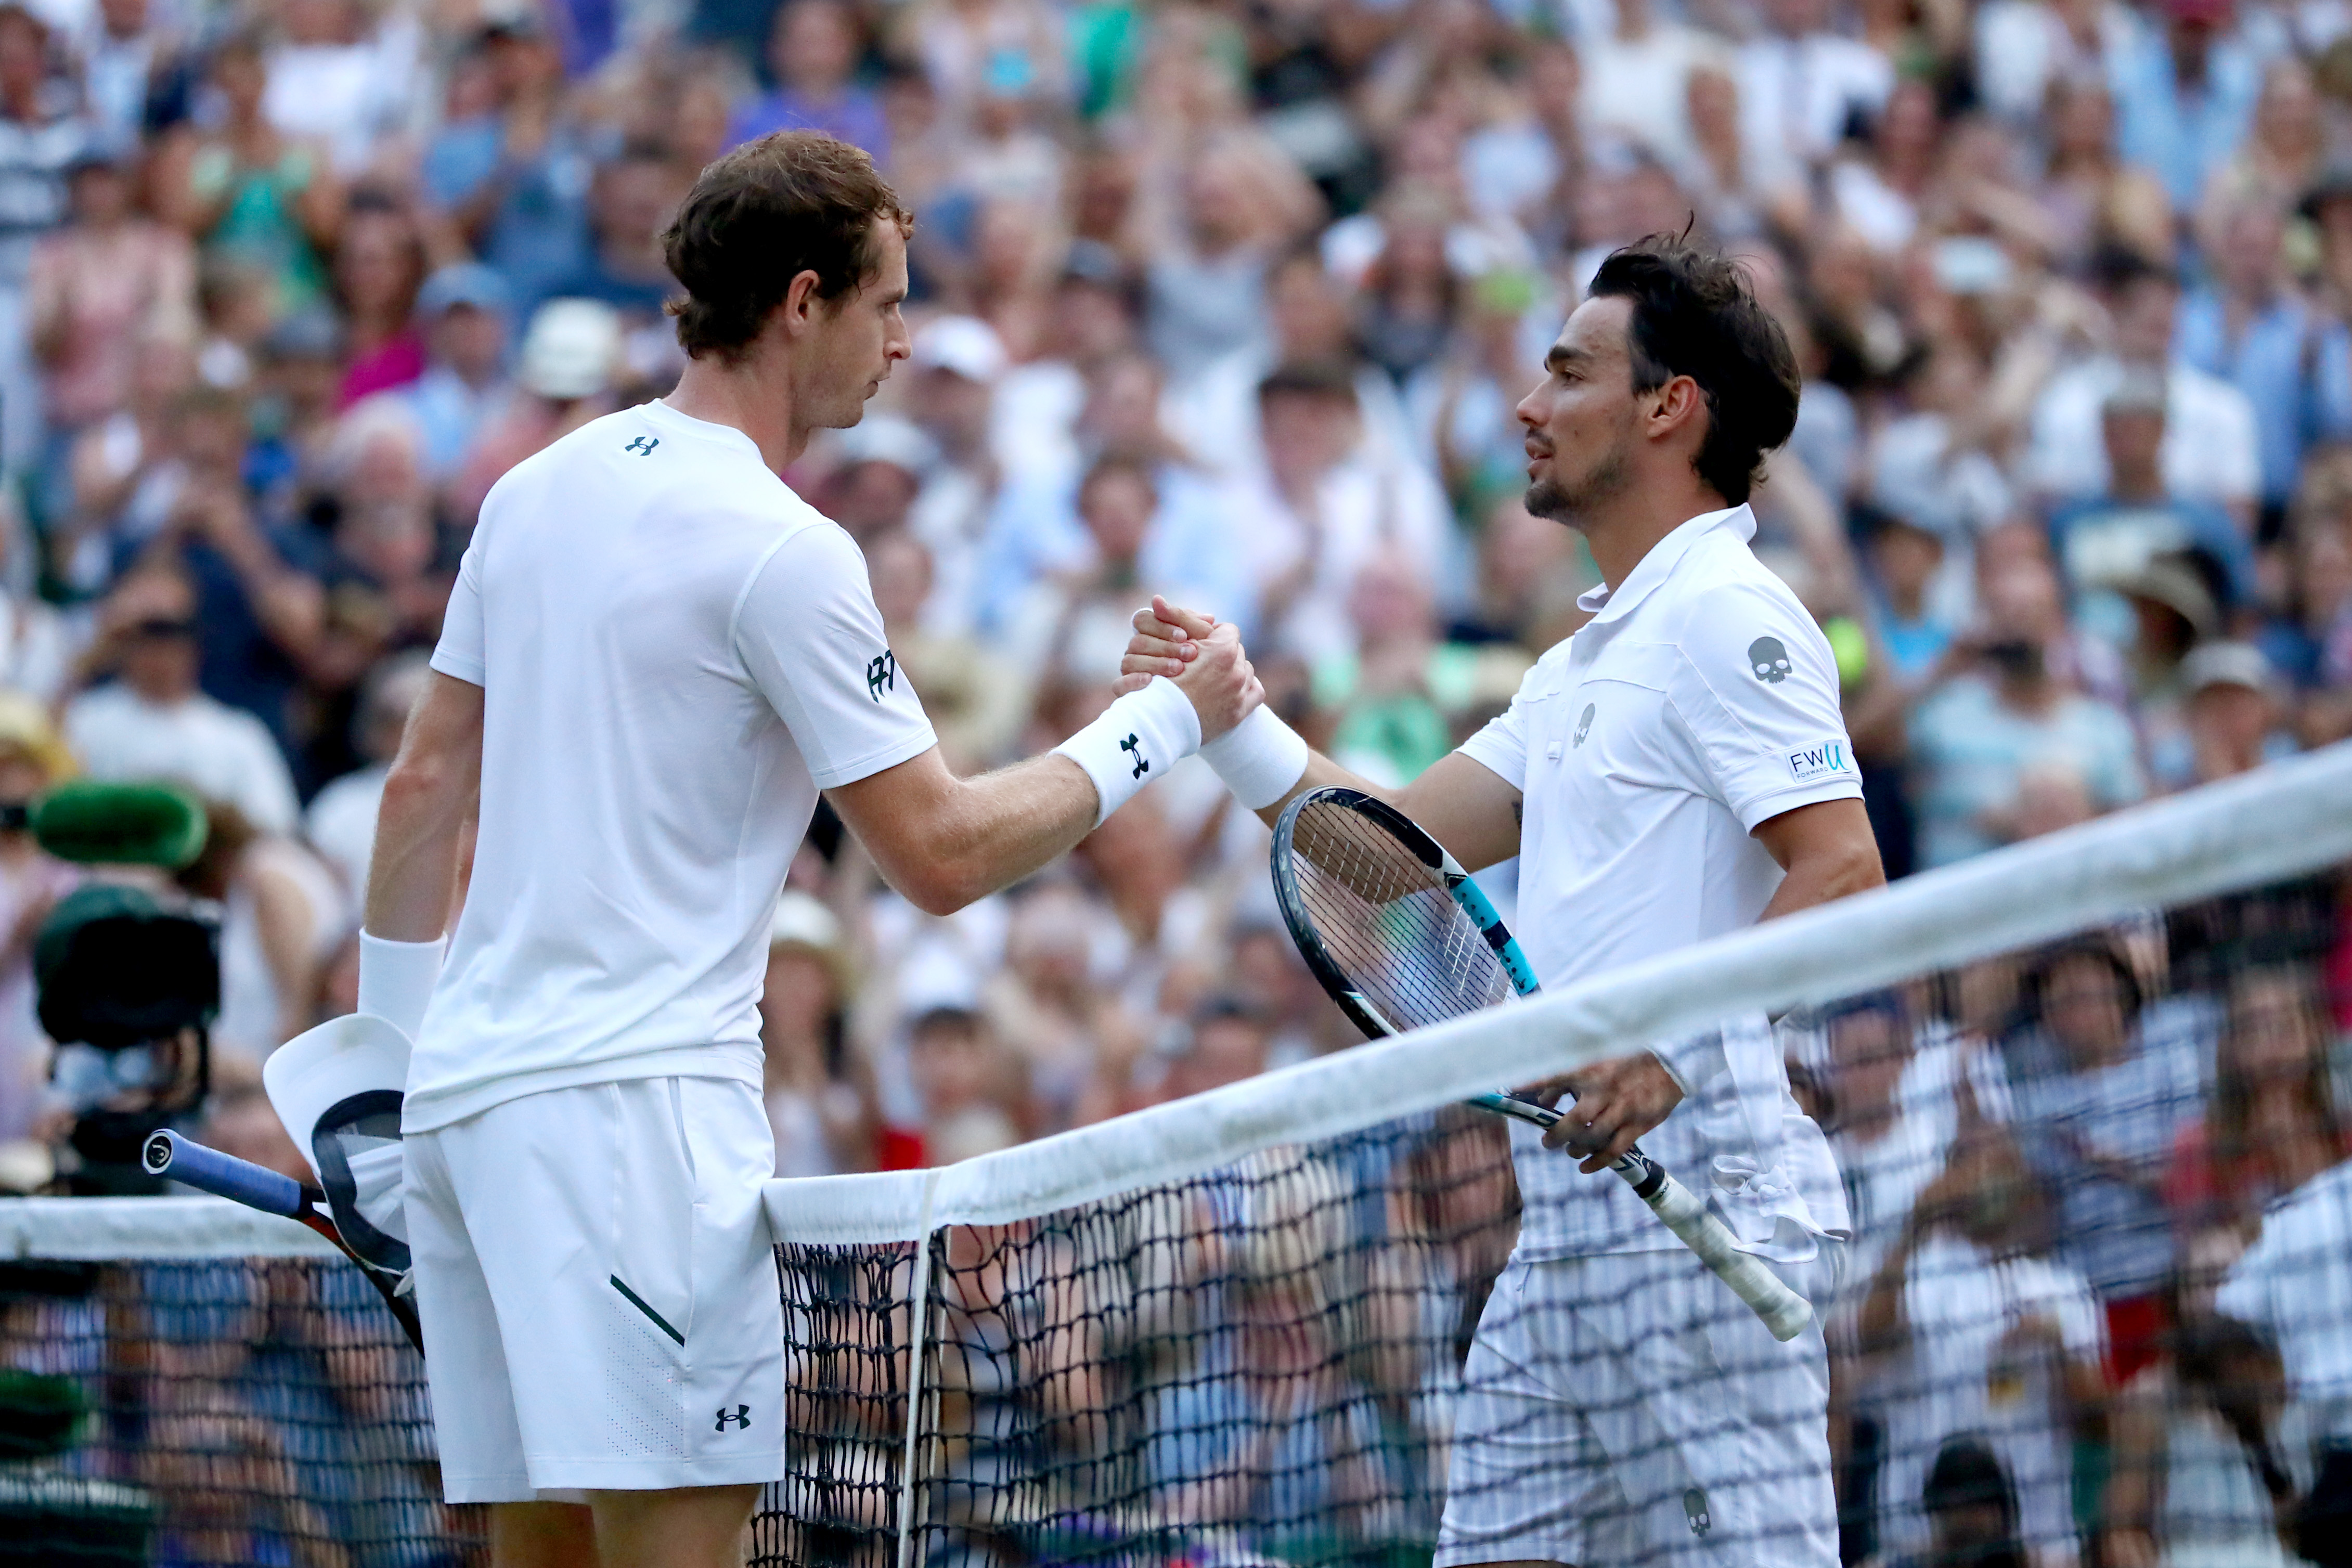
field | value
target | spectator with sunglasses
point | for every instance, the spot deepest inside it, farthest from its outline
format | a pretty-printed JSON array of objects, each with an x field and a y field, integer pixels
[{"x": 151, "y": 720}]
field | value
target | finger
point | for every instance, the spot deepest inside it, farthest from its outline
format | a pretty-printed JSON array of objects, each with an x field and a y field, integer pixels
[
  {"x": 1197, "y": 624},
  {"x": 1131, "y": 683},
  {"x": 1609, "y": 1153},
  {"x": 1146, "y": 667}
]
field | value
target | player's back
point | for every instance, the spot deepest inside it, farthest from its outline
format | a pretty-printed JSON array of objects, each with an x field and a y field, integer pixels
[{"x": 641, "y": 799}]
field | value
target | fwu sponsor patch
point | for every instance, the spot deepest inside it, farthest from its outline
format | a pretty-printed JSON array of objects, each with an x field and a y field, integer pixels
[{"x": 1820, "y": 761}]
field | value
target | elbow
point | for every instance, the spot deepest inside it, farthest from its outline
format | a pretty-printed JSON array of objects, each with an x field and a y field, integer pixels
[{"x": 940, "y": 884}]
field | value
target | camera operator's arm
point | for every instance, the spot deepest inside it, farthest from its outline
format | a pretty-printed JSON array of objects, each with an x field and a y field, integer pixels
[{"x": 428, "y": 797}]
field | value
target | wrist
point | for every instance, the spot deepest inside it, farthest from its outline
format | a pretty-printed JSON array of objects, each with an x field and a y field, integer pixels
[
  {"x": 396, "y": 979},
  {"x": 1261, "y": 759},
  {"x": 1137, "y": 739}
]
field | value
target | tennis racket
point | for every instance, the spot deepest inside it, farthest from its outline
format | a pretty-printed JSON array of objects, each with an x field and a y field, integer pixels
[
  {"x": 166, "y": 1154},
  {"x": 1401, "y": 937}
]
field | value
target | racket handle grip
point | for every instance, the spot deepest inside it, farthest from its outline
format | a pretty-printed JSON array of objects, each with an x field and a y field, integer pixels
[
  {"x": 1784, "y": 1312},
  {"x": 224, "y": 1175}
]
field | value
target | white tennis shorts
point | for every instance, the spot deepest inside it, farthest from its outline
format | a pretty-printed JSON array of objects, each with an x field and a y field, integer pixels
[
  {"x": 598, "y": 1290},
  {"x": 1629, "y": 1409}
]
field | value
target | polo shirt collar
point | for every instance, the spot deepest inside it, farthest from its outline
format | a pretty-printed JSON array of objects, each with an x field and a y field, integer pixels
[{"x": 1607, "y": 603}]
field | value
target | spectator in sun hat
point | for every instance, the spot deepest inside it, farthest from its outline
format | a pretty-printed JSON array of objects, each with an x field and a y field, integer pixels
[
  {"x": 819, "y": 1095},
  {"x": 570, "y": 357},
  {"x": 464, "y": 309}
]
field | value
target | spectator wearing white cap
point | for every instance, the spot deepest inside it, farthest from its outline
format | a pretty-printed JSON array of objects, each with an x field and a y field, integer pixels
[
  {"x": 568, "y": 358},
  {"x": 958, "y": 360},
  {"x": 2230, "y": 712}
]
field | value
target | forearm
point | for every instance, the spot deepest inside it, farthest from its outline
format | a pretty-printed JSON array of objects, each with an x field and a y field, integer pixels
[
  {"x": 413, "y": 873},
  {"x": 1002, "y": 826}
]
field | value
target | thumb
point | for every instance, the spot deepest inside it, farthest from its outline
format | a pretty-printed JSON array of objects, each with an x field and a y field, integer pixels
[{"x": 1190, "y": 623}]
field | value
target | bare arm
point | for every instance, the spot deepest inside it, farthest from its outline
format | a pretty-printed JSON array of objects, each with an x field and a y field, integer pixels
[
  {"x": 1828, "y": 851},
  {"x": 944, "y": 841},
  {"x": 432, "y": 792}
]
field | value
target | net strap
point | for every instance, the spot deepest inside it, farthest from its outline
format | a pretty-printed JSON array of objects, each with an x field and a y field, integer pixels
[{"x": 918, "y": 1318}]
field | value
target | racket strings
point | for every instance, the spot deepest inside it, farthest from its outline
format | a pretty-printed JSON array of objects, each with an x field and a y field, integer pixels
[{"x": 1387, "y": 920}]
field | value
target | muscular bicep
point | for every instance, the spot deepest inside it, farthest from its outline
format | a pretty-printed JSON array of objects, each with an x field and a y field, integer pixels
[{"x": 1467, "y": 807}]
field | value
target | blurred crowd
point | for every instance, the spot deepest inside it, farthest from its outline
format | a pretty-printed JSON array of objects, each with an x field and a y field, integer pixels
[{"x": 1227, "y": 300}]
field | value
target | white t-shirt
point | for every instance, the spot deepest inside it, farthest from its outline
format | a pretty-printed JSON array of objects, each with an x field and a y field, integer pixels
[
  {"x": 1699, "y": 702},
  {"x": 675, "y": 654},
  {"x": 220, "y": 752},
  {"x": 1960, "y": 1301},
  {"x": 2295, "y": 1284},
  {"x": 2209, "y": 451}
]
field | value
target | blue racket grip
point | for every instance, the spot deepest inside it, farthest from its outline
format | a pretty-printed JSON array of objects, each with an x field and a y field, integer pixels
[{"x": 224, "y": 1175}]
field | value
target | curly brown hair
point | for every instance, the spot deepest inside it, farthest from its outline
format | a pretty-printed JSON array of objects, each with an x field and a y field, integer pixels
[{"x": 794, "y": 201}]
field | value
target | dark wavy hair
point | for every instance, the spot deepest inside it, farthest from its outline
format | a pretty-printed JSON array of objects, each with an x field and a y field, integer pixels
[
  {"x": 1694, "y": 315},
  {"x": 795, "y": 201}
]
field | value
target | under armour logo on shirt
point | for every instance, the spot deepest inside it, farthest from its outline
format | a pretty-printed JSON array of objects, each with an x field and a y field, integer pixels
[
  {"x": 1135, "y": 743},
  {"x": 882, "y": 675},
  {"x": 643, "y": 446},
  {"x": 740, "y": 1415}
]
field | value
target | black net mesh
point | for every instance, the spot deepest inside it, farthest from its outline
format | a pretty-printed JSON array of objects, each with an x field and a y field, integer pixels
[
  {"x": 2098, "y": 1301},
  {"x": 1387, "y": 921}
]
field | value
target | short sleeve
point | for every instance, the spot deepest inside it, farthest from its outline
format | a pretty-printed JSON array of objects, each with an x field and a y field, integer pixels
[
  {"x": 1756, "y": 685},
  {"x": 458, "y": 655},
  {"x": 812, "y": 640},
  {"x": 1501, "y": 744}
]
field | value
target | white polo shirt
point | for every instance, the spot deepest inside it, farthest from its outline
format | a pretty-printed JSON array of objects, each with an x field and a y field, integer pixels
[
  {"x": 675, "y": 654},
  {"x": 1700, "y": 701},
  {"x": 2295, "y": 1284}
]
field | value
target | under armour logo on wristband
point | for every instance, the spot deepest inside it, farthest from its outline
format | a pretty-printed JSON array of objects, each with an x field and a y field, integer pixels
[
  {"x": 643, "y": 446},
  {"x": 740, "y": 1415},
  {"x": 1135, "y": 743}
]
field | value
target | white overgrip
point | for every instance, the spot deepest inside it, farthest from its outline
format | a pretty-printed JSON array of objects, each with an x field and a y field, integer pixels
[{"x": 1784, "y": 1312}]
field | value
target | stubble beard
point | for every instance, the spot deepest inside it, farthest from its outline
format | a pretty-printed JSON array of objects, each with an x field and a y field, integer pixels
[{"x": 1549, "y": 498}]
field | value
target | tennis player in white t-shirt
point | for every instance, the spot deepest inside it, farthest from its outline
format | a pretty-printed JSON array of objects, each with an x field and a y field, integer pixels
[
  {"x": 654, "y": 658},
  {"x": 1676, "y": 769}
]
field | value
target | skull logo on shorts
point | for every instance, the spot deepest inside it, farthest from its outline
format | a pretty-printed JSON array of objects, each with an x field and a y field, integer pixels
[{"x": 1770, "y": 659}]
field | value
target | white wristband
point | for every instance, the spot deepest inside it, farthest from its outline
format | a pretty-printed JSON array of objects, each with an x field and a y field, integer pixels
[
  {"x": 396, "y": 979},
  {"x": 1260, "y": 758},
  {"x": 1137, "y": 739}
]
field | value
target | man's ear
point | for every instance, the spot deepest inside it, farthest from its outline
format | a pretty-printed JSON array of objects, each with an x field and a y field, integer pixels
[
  {"x": 799, "y": 303},
  {"x": 1680, "y": 401}
]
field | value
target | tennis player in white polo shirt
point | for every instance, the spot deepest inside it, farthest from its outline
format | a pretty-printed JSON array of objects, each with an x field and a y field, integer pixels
[
  {"x": 1676, "y": 769},
  {"x": 656, "y": 657}
]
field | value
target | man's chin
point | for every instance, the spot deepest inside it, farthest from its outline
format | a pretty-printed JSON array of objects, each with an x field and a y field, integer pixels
[{"x": 1545, "y": 498}]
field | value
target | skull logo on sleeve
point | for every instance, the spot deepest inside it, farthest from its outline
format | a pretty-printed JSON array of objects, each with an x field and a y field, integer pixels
[{"x": 1770, "y": 659}]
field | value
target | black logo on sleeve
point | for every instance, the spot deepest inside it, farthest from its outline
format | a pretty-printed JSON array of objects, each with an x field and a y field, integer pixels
[
  {"x": 1135, "y": 744},
  {"x": 740, "y": 1415},
  {"x": 1769, "y": 660},
  {"x": 643, "y": 446},
  {"x": 882, "y": 675}
]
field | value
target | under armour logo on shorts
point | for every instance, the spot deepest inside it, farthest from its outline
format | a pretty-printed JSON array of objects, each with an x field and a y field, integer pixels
[
  {"x": 643, "y": 446},
  {"x": 740, "y": 1415},
  {"x": 882, "y": 675},
  {"x": 1135, "y": 743},
  {"x": 1695, "y": 1505}
]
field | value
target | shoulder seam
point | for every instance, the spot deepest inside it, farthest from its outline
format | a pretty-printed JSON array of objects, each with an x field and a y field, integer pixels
[{"x": 751, "y": 579}]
